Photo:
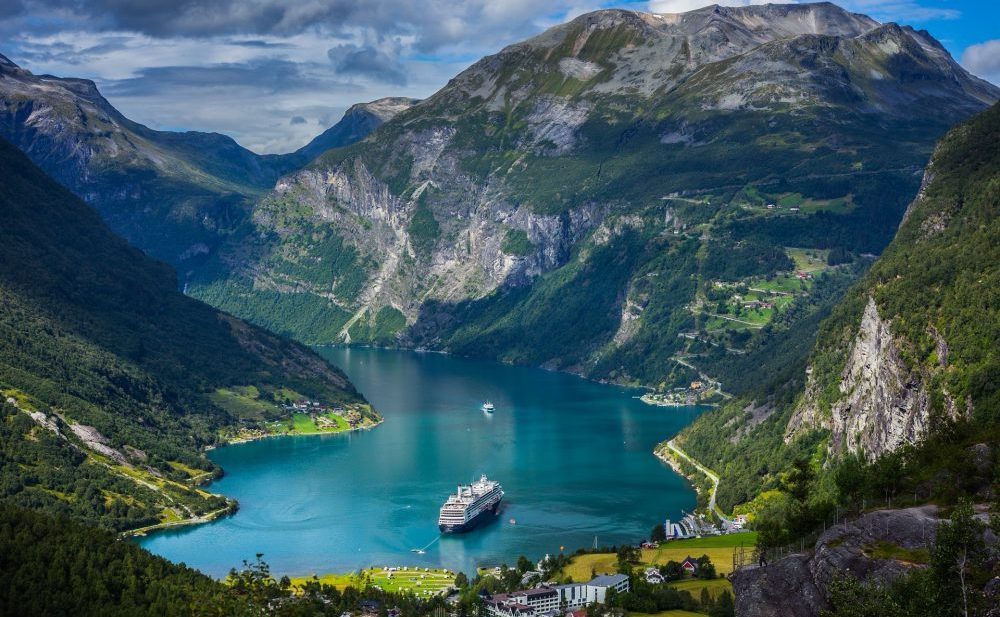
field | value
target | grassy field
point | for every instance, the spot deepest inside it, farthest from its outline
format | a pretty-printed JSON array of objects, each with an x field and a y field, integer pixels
[
  {"x": 303, "y": 424},
  {"x": 808, "y": 260},
  {"x": 242, "y": 402},
  {"x": 714, "y": 586},
  {"x": 718, "y": 548},
  {"x": 782, "y": 283},
  {"x": 414, "y": 580}
]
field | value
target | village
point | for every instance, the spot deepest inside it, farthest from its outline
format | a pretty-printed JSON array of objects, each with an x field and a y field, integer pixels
[
  {"x": 260, "y": 418},
  {"x": 697, "y": 393}
]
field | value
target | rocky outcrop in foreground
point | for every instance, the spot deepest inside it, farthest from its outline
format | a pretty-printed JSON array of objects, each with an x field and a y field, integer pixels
[{"x": 797, "y": 585}]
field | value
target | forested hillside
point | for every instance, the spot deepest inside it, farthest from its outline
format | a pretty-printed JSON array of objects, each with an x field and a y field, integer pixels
[
  {"x": 904, "y": 375},
  {"x": 108, "y": 372}
]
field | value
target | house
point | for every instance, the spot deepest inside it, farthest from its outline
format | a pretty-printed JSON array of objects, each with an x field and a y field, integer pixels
[
  {"x": 739, "y": 521},
  {"x": 597, "y": 589},
  {"x": 653, "y": 576},
  {"x": 690, "y": 565},
  {"x": 369, "y": 606},
  {"x": 551, "y": 599},
  {"x": 770, "y": 206},
  {"x": 697, "y": 385}
]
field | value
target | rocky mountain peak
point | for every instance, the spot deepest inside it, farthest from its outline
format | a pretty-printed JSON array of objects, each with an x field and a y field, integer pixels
[
  {"x": 358, "y": 122},
  {"x": 784, "y": 20},
  {"x": 6, "y": 62},
  {"x": 384, "y": 108}
]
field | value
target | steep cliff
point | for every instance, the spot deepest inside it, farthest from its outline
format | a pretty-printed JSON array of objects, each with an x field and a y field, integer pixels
[
  {"x": 922, "y": 350},
  {"x": 909, "y": 354},
  {"x": 578, "y": 200}
]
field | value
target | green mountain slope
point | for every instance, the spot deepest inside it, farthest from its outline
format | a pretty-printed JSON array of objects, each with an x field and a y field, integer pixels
[
  {"x": 909, "y": 356},
  {"x": 621, "y": 196},
  {"x": 175, "y": 195},
  {"x": 108, "y": 373},
  {"x": 96, "y": 573}
]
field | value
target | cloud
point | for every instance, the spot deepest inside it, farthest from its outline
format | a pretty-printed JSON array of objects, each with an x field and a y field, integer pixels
[
  {"x": 429, "y": 24},
  {"x": 264, "y": 74},
  {"x": 297, "y": 120},
  {"x": 983, "y": 60},
  {"x": 683, "y": 6},
  {"x": 367, "y": 61},
  {"x": 245, "y": 67}
]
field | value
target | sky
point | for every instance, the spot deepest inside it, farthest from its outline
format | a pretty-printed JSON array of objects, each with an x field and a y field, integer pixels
[{"x": 275, "y": 73}]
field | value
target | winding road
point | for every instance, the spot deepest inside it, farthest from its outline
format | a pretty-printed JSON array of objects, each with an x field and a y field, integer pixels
[{"x": 711, "y": 476}]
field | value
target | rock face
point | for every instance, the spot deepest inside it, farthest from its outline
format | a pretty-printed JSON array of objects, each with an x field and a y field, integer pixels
[
  {"x": 564, "y": 175},
  {"x": 883, "y": 403},
  {"x": 782, "y": 589},
  {"x": 906, "y": 348},
  {"x": 797, "y": 585}
]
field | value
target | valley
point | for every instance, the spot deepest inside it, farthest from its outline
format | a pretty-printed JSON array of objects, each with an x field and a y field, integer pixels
[{"x": 729, "y": 274}]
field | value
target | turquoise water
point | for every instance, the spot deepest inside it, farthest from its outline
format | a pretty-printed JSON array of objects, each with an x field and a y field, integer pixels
[{"x": 575, "y": 459}]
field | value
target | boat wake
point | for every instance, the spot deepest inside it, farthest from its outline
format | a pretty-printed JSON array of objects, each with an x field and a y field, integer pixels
[{"x": 421, "y": 551}]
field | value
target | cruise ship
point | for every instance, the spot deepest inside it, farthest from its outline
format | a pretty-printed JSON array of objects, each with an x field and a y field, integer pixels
[{"x": 470, "y": 506}]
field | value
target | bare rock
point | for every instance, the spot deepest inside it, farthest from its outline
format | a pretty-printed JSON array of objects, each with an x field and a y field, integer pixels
[{"x": 782, "y": 589}]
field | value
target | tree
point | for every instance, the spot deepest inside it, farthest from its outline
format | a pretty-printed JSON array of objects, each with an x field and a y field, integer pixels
[
  {"x": 255, "y": 583},
  {"x": 798, "y": 481},
  {"x": 705, "y": 599},
  {"x": 723, "y": 606},
  {"x": 523, "y": 564},
  {"x": 850, "y": 478},
  {"x": 461, "y": 580},
  {"x": 629, "y": 554},
  {"x": 672, "y": 571},
  {"x": 888, "y": 474},
  {"x": 849, "y": 597},
  {"x": 658, "y": 534},
  {"x": 706, "y": 569},
  {"x": 959, "y": 551}
]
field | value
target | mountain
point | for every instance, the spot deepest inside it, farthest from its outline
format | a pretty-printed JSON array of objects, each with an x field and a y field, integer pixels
[
  {"x": 906, "y": 364},
  {"x": 174, "y": 195},
  {"x": 633, "y": 197},
  {"x": 358, "y": 122},
  {"x": 113, "y": 381}
]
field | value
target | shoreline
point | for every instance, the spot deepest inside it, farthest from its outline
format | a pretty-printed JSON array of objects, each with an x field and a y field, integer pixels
[
  {"x": 238, "y": 441},
  {"x": 234, "y": 506},
  {"x": 141, "y": 532},
  {"x": 712, "y": 507}
]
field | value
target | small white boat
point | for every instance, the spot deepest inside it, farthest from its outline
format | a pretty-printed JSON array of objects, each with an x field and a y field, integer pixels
[{"x": 488, "y": 407}]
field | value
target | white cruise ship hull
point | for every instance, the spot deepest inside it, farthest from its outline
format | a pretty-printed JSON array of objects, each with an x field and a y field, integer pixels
[{"x": 484, "y": 516}]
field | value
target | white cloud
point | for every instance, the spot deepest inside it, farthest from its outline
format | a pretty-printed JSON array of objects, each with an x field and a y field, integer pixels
[
  {"x": 683, "y": 6},
  {"x": 163, "y": 67},
  {"x": 983, "y": 60}
]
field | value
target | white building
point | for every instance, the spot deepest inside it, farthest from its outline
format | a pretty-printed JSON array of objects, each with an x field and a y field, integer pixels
[{"x": 553, "y": 600}]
